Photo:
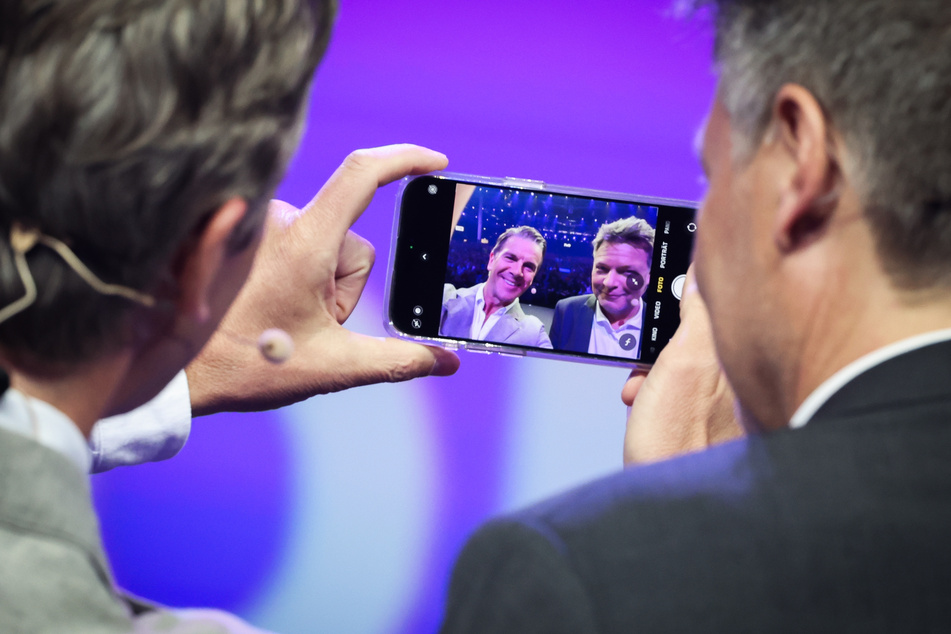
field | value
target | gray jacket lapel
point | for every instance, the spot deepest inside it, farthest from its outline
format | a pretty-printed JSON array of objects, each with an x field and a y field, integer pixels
[
  {"x": 507, "y": 325},
  {"x": 42, "y": 493}
]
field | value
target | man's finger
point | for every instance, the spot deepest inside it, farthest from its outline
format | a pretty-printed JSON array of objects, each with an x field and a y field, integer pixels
[
  {"x": 374, "y": 360},
  {"x": 633, "y": 386},
  {"x": 351, "y": 187},
  {"x": 353, "y": 269}
]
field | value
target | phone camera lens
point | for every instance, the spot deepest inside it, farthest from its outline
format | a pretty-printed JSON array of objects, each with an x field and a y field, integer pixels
[
  {"x": 417, "y": 323},
  {"x": 417, "y": 310},
  {"x": 432, "y": 189},
  {"x": 692, "y": 227}
]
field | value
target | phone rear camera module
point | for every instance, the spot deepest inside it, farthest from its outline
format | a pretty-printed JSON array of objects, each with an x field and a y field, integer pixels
[
  {"x": 417, "y": 310},
  {"x": 432, "y": 189}
]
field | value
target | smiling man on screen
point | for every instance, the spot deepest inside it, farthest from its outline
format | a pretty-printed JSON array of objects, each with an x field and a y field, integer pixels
[
  {"x": 490, "y": 311},
  {"x": 608, "y": 321}
]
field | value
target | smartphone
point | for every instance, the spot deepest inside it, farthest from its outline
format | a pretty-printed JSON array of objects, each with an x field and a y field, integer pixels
[{"x": 520, "y": 267}]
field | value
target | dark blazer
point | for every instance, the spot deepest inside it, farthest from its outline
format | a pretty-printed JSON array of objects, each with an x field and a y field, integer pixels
[
  {"x": 841, "y": 526},
  {"x": 571, "y": 325}
]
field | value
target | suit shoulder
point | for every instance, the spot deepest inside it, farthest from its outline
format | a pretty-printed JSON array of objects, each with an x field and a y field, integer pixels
[
  {"x": 573, "y": 301},
  {"x": 450, "y": 292},
  {"x": 576, "y": 303},
  {"x": 512, "y": 578},
  {"x": 50, "y": 584},
  {"x": 664, "y": 488}
]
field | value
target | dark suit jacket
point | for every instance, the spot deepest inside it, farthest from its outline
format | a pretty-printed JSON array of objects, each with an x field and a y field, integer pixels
[
  {"x": 843, "y": 525},
  {"x": 571, "y": 325}
]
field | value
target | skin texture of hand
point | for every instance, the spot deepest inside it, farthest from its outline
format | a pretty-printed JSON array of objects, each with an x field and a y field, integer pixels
[
  {"x": 685, "y": 402},
  {"x": 308, "y": 276}
]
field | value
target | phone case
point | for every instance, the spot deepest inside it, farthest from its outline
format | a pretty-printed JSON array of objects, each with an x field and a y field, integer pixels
[{"x": 499, "y": 348}]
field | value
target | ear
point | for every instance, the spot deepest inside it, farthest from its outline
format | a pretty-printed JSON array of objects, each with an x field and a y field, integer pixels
[
  {"x": 802, "y": 135},
  {"x": 204, "y": 258}
]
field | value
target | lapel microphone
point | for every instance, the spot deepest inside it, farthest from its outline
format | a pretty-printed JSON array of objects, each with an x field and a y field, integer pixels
[{"x": 275, "y": 345}]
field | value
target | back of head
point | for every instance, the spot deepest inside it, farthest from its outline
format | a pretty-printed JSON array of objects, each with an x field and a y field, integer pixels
[
  {"x": 123, "y": 125},
  {"x": 881, "y": 70}
]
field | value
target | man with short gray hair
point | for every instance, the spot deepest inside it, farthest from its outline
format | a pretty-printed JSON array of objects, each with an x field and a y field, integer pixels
[
  {"x": 823, "y": 264},
  {"x": 608, "y": 320},
  {"x": 140, "y": 145}
]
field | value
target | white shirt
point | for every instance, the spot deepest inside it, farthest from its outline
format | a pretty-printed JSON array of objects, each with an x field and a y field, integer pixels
[
  {"x": 46, "y": 425},
  {"x": 156, "y": 431},
  {"x": 480, "y": 325},
  {"x": 837, "y": 381},
  {"x": 623, "y": 342}
]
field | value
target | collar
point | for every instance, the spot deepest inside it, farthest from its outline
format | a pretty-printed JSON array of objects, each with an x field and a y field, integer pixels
[
  {"x": 837, "y": 381},
  {"x": 46, "y": 425},
  {"x": 631, "y": 323},
  {"x": 480, "y": 301}
]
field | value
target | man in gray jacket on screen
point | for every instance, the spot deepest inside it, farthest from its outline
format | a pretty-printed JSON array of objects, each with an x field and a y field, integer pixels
[{"x": 490, "y": 311}]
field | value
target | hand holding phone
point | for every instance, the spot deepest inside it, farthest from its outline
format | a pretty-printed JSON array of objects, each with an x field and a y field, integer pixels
[
  {"x": 308, "y": 276},
  {"x": 521, "y": 267},
  {"x": 685, "y": 403}
]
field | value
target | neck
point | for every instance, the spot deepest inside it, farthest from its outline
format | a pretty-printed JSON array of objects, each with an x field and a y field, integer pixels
[
  {"x": 617, "y": 321},
  {"x": 893, "y": 318},
  {"x": 82, "y": 393},
  {"x": 491, "y": 304},
  {"x": 839, "y": 306}
]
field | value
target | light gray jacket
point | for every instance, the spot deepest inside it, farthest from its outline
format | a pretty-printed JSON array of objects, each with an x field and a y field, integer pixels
[
  {"x": 54, "y": 576},
  {"x": 514, "y": 327}
]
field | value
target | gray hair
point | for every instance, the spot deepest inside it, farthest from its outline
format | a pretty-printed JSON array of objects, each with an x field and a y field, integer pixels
[
  {"x": 633, "y": 231},
  {"x": 124, "y": 124},
  {"x": 529, "y": 233},
  {"x": 881, "y": 70}
]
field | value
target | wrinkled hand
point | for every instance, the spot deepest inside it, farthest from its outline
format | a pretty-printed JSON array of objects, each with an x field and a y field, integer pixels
[
  {"x": 685, "y": 402},
  {"x": 308, "y": 276}
]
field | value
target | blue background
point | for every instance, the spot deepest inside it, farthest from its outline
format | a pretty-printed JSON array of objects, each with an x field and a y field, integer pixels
[{"x": 344, "y": 513}]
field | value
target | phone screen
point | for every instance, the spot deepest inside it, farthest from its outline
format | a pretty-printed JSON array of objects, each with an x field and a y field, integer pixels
[{"x": 530, "y": 269}]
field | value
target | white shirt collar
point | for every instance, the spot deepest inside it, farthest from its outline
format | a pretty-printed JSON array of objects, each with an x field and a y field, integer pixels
[
  {"x": 480, "y": 301},
  {"x": 633, "y": 322},
  {"x": 46, "y": 425},
  {"x": 837, "y": 381}
]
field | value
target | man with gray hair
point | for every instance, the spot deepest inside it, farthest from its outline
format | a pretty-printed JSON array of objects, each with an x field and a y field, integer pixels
[
  {"x": 608, "y": 320},
  {"x": 490, "y": 311},
  {"x": 140, "y": 145},
  {"x": 823, "y": 265}
]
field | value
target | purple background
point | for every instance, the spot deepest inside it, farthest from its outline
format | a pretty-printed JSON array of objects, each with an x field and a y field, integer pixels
[{"x": 344, "y": 513}]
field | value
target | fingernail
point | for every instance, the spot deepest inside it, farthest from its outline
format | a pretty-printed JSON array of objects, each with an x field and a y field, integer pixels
[{"x": 446, "y": 363}]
